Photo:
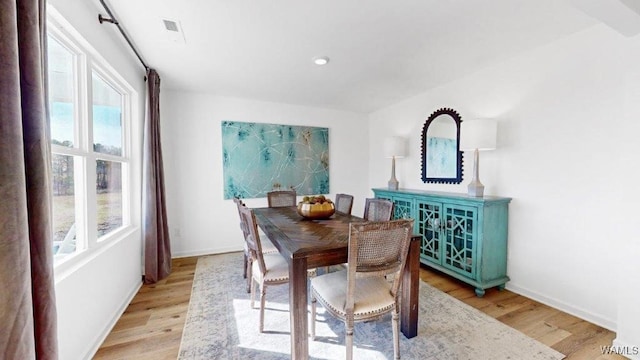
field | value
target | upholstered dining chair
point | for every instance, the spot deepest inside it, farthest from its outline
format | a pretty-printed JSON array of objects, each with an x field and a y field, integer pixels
[
  {"x": 266, "y": 269},
  {"x": 267, "y": 245},
  {"x": 378, "y": 210},
  {"x": 281, "y": 198},
  {"x": 364, "y": 291},
  {"x": 344, "y": 203}
]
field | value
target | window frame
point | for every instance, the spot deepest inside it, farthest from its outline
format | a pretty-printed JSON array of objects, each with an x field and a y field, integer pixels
[{"x": 88, "y": 61}]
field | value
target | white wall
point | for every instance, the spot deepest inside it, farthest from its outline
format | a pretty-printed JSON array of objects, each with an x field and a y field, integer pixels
[
  {"x": 628, "y": 326},
  {"x": 567, "y": 155},
  {"x": 92, "y": 293},
  {"x": 200, "y": 220}
]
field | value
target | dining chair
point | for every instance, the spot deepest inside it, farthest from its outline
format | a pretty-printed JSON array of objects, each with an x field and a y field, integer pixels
[
  {"x": 281, "y": 198},
  {"x": 369, "y": 287},
  {"x": 267, "y": 245},
  {"x": 344, "y": 203},
  {"x": 266, "y": 269},
  {"x": 378, "y": 209}
]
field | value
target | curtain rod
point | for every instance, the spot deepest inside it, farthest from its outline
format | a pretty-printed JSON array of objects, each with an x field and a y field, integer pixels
[{"x": 112, "y": 20}]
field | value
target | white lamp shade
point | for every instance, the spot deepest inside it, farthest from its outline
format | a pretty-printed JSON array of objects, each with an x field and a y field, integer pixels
[
  {"x": 394, "y": 146},
  {"x": 478, "y": 134}
]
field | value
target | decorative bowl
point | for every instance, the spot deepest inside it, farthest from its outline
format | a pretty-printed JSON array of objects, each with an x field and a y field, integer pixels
[{"x": 316, "y": 211}]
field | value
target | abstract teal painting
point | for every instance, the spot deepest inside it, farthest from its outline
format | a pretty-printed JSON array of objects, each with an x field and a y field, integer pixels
[{"x": 258, "y": 158}]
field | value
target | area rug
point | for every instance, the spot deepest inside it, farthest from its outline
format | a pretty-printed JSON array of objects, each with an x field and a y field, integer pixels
[{"x": 220, "y": 324}]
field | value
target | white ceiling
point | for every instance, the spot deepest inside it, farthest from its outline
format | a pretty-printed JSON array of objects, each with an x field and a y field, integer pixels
[{"x": 381, "y": 51}]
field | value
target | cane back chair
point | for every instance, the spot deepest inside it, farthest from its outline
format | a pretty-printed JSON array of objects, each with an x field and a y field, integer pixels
[
  {"x": 369, "y": 287},
  {"x": 281, "y": 198},
  {"x": 344, "y": 203},
  {"x": 378, "y": 210}
]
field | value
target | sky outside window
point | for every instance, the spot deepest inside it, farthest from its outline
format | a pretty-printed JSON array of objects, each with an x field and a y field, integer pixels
[
  {"x": 61, "y": 93},
  {"x": 107, "y": 117}
]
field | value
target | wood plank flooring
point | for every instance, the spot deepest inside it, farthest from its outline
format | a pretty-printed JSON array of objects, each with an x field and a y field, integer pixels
[
  {"x": 151, "y": 327},
  {"x": 572, "y": 336}
]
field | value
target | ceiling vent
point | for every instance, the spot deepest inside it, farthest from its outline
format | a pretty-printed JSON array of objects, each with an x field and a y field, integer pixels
[
  {"x": 170, "y": 25},
  {"x": 173, "y": 30}
]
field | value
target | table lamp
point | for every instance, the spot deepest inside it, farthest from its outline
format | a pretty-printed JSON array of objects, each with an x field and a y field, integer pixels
[
  {"x": 477, "y": 135},
  {"x": 394, "y": 147}
]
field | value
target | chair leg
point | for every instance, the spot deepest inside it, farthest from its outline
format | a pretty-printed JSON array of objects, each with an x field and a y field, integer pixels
[
  {"x": 396, "y": 338},
  {"x": 253, "y": 291},
  {"x": 312, "y": 321},
  {"x": 248, "y": 271},
  {"x": 244, "y": 271},
  {"x": 263, "y": 292},
  {"x": 348, "y": 339}
]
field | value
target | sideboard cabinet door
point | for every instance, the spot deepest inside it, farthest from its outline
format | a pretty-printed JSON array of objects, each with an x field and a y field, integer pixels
[
  {"x": 428, "y": 218},
  {"x": 459, "y": 252},
  {"x": 402, "y": 205}
]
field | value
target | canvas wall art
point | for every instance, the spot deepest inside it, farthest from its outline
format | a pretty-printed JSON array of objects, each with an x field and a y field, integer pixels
[{"x": 259, "y": 157}]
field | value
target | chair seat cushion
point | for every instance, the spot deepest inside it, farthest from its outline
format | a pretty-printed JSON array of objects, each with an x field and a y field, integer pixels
[
  {"x": 267, "y": 245},
  {"x": 372, "y": 294},
  {"x": 277, "y": 268}
]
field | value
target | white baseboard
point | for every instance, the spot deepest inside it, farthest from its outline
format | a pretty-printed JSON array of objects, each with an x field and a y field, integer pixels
[
  {"x": 116, "y": 316},
  {"x": 202, "y": 252},
  {"x": 568, "y": 308}
]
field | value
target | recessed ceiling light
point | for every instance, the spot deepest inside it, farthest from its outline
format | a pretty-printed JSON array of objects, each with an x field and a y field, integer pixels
[{"x": 322, "y": 60}]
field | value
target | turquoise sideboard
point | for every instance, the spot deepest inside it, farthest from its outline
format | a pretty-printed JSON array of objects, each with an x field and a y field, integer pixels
[{"x": 462, "y": 236}]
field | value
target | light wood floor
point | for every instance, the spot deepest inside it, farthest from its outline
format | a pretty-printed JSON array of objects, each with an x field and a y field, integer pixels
[{"x": 151, "y": 327}]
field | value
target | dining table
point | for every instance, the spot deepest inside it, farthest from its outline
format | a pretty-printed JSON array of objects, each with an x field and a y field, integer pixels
[{"x": 308, "y": 244}]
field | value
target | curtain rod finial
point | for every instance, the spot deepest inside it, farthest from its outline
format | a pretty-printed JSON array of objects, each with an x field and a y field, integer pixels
[{"x": 102, "y": 19}]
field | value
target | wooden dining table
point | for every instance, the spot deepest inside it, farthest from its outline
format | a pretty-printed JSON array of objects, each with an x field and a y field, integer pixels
[{"x": 308, "y": 244}]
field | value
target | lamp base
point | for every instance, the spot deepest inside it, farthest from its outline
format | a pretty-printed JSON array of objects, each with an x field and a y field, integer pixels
[
  {"x": 475, "y": 189},
  {"x": 393, "y": 182}
]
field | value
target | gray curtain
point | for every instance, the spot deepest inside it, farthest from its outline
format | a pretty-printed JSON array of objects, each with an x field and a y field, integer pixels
[
  {"x": 157, "y": 246},
  {"x": 27, "y": 298}
]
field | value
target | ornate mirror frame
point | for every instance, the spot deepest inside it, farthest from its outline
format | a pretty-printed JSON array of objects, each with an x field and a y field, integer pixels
[{"x": 457, "y": 158}]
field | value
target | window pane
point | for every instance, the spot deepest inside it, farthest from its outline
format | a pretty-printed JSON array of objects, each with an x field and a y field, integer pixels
[
  {"x": 109, "y": 195},
  {"x": 61, "y": 92},
  {"x": 64, "y": 207},
  {"x": 107, "y": 118}
]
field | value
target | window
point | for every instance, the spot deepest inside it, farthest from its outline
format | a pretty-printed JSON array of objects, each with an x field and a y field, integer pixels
[
  {"x": 63, "y": 106},
  {"x": 107, "y": 145},
  {"x": 90, "y": 113}
]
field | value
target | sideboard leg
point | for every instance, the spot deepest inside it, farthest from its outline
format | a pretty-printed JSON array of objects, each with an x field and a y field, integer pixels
[{"x": 479, "y": 292}]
